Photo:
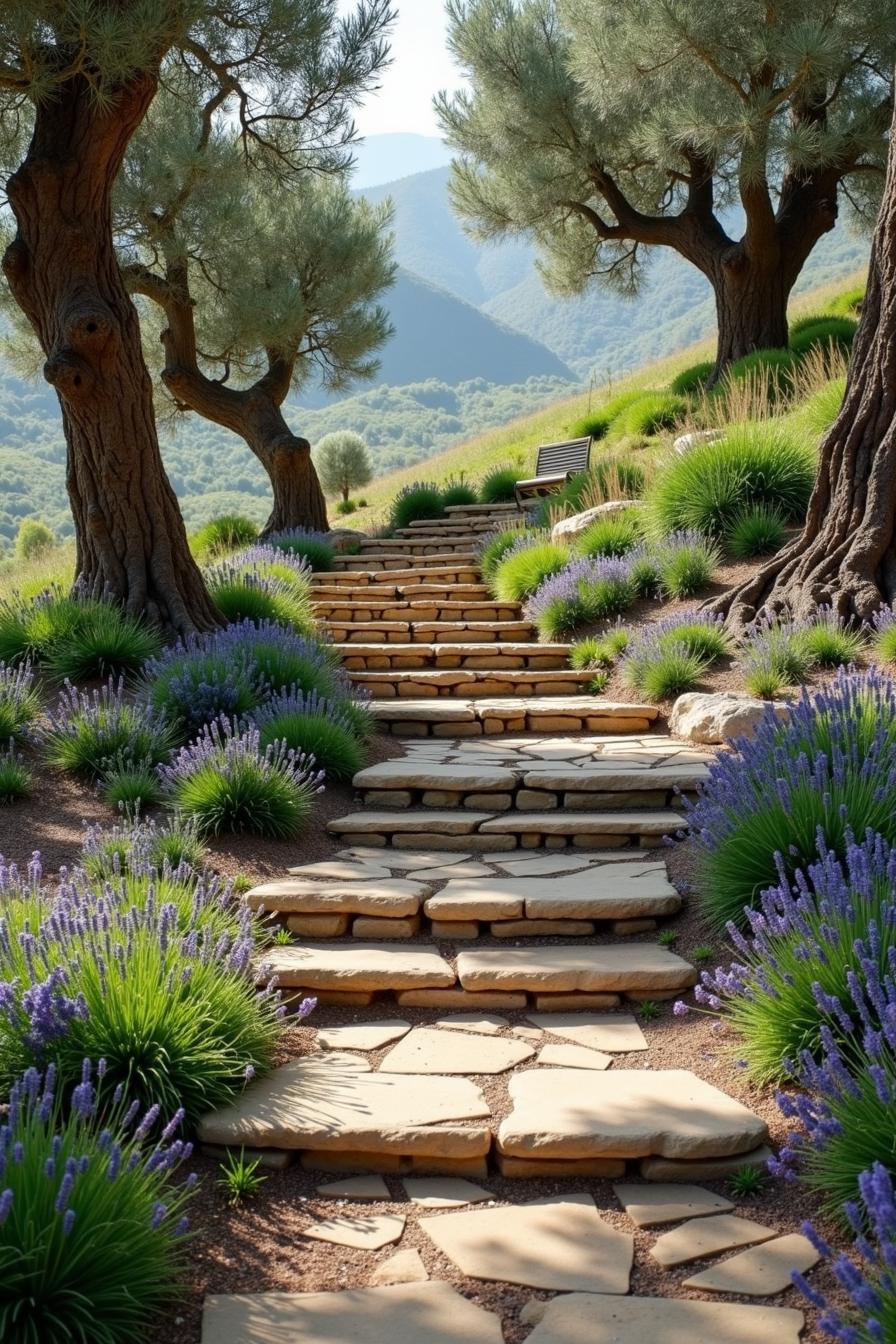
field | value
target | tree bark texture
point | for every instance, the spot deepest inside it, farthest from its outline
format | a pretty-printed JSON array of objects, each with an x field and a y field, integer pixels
[
  {"x": 63, "y": 273},
  {"x": 846, "y": 553}
]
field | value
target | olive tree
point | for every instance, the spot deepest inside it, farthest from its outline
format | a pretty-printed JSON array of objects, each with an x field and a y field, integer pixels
[
  {"x": 728, "y": 132},
  {"x": 77, "y": 78},
  {"x": 343, "y": 462}
]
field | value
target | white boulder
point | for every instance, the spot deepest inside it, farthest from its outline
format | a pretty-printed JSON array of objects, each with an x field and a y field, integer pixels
[
  {"x": 719, "y": 716},
  {"x": 685, "y": 442},
  {"x": 571, "y": 527}
]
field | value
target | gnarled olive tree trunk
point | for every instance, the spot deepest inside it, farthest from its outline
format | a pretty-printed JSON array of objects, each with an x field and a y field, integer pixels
[{"x": 63, "y": 273}]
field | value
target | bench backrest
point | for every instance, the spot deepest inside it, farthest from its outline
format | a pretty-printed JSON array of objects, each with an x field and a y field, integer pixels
[{"x": 554, "y": 458}]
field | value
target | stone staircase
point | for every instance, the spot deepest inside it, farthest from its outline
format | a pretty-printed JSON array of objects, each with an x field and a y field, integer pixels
[{"x": 506, "y": 863}]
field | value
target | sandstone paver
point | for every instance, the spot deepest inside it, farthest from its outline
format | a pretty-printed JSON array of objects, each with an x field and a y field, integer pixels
[
  {"x": 707, "y": 1169},
  {"x": 399, "y": 1314},
  {"x": 561, "y": 1244},
  {"x": 614, "y": 1032},
  {"x": 488, "y": 1023},
  {"x": 652, "y": 1205},
  {"x": 585, "y": 1318},
  {"x": 760, "y": 1271},
  {"x": 365, "y": 966},
  {"x": 362, "y": 1035},
  {"x": 444, "y": 1192},
  {"x": 367, "y": 1234},
  {"x": 624, "y": 967},
  {"x": 428, "y": 1050},
  {"x": 574, "y": 1057},
  {"x": 701, "y": 1237},
  {"x": 361, "y": 1189},
  {"x": 344, "y": 870},
  {"x": 390, "y": 897},
  {"x": 403, "y": 1267}
]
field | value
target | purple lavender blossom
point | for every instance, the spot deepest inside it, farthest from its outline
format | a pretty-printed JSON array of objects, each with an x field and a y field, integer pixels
[{"x": 588, "y": 589}]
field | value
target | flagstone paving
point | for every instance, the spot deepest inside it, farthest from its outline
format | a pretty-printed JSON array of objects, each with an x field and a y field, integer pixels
[
  {"x": 653, "y": 1205},
  {"x": 428, "y": 1050},
  {"x": 403, "y": 1267},
  {"x": 584, "y": 1318},
  {"x": 760, "y": 1271},
  {"x": 367, "y": 1234},
  {"x": 617, "y": 1032},
  {"x": 574, "y": 1057},
  {"x": 443, "y": 1192},
  {"x": 700, "y": 1237}
]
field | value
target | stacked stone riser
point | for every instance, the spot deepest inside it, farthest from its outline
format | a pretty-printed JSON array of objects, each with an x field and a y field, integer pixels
[
  {"x": 473, "y": 718},
  {"x": 470, "y": 682},
  {"x": 422, "y": 631},
  {"x": 370, "y": 573},
  {"x": 480, "y": 653},
  {"x": 357, "y": 608},
  {"x": 423, "y": 554}
]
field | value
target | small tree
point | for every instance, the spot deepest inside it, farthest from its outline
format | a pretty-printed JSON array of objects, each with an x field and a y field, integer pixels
[
  {"x": 601, "y": 128},
  {"x": 343, "y": 462},
  {"x": 33, "y": 538}
]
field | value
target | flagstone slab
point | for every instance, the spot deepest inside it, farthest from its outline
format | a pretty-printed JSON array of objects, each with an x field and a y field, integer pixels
[
  {"x": 545, "y": 864},
  {"x": 760, "y": 1271},
  {"x": 652, "y": 1205},
  {"x": 343, "y": 870},
  {"x": 624, "y": 1113},
  {"x": 433, "y": 821},
  {"x": 335, "y": 1103},
  {"x": 488, "y": 1023},
  {"x": 574, "y": 1057},
  {"x": 417, "y": 774},
  {"x": 628, "y": 968},
  {"x": 362, "y": 1035},
  {"x": 454, "y": 871},
  {"x": 588, "y": 1318},
  {"x": 403, "y": 1267},
  {"x": 561, "y": 1244},
  {"x": 359, "y": 1189},
  {"x": 398, "y": 1314},
  {"x": 614, "y": 1032},
  {"x": 665, "y": 822},
  {"x": 364, "y": 966},
  {"x": 702, "y": 1237},
  {"x": 408, "y": 860},
  {"x": 392, "y": 898},
  {"x": 428, "y": 1050},
  {"x": 617, "y": 891},
  {"x": 364, "y": 1234},
  {"x": 662, "y": 1169},
  {"x": 443, "y": 1192}
]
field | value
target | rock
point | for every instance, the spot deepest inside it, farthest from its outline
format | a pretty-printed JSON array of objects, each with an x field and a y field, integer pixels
[
  {"x": 707, "y": 1169},
  {"x": 624, "y": 1113},
  {"x": 443, "y": 1192},
  {"x": 574, "y": 1057},
  {"x": 367, "y": 966},
  {"x": 393, "y": 898},
  {"x": 367, "y": 1234},
  {"x": 318, "y": 926},
  {"x": 428, "y": 1050},
  {"x": 357, "y": 1189},
  {"x": 702, "y": 1237},
  {"x": 622, "y": 967},
  {"x": 532, "y": 1312},
  {"x": 527, "y": 1169},
  {"x": 340, "y": 870},
  {"x": 459, "y": 998},
  {"x": 567, "y": 528},
  {"x": 582, "y": 1318},
  {"x": 402, "y": 1267},
  {"x": 490, "y": 1024},
  {"x": 686, "y": 442},
  {"x": 561, "y": 1244},
  {"x": 719, "y": 716},
  {"x": 345, "y": 540},
  {"x": 334, "y": 1102},
  {"x": 761, "y": 1271},
  {"x": 617, "y": 1032},
  {"x": 650, "y": 1206},
  {"x": 401, "y": 1314},
  {"x": 362, "y": 1035}
]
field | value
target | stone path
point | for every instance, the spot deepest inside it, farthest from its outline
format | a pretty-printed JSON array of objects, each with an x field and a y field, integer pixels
[{"x": 504, "y": 873}]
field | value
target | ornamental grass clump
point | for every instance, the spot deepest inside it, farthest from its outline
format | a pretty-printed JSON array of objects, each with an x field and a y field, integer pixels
[
  {"x": 800, "y": 940},
  {"x": 415, "y": 502},
  {"x": 20, "y": 702},
  {"x": 586, "y": 591},
  {"x": 824, "y": 774},
  {"x": 16, "y": 780},
  {"x": 315, "y": 728},
  {"x": 685, "y": 563},
  {"x": 91, "y": 732},
  {"x": 505, "y": 540},
  {"x": 883, "y": 641},
  {"x": 247, "y": 587},
  {"x": 773, "y": 657},
  {"x": 498, "y": 486},
  {"x": 669, "y": 657},
  {"x": 847, "y": 1110},
  {"x": 614, "y": 535},
  {"x": 303, "y": 542},
  {"x": 867, "y": 1278},
  {"x": 223, "y": 534},
  {"x": 227, "y": 782},
  {"x": 72, "y": 635},
  {"x": 138, "y": 845},
  {"x": 160, "y": 991},
  {"x": 525, "y": 568},
  {"x": 93, "y": 1211}
]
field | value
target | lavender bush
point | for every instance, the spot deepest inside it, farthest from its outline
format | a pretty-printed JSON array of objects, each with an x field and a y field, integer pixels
[
  {"x": 226, "y": 781},
  {"x": 823, "y": 775},
  {"x": 19, "y": 702},
  {"x": 800, "y": 942},
  {"x": 668, "y": 657},
  {"x": 247, "y": 586},
  {"x": 587, "y": 590},
  {"x": 780, "y": 652},
  {"x": 92, "y": 731},
  {"x": 305, "y": 544},
  {"x": 142, "y": 846},
  {"x": 315, "y": 728},
  {"x": 92, "y": 1212}
]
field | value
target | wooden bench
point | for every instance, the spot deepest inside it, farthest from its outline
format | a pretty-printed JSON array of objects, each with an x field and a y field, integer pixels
[{"x": 555, "y": 464}]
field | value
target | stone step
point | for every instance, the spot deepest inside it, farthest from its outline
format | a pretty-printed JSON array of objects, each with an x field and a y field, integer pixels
[
  {"x": 387, "y": 558},
  {"x": 445, "y": 527},
  {"x": 331, "y": 606},
  {"x": 417, "y": 546},
  {"x": 479, "y": 510},
  {"x": 598, "y": 784},
  {"x": 444, "y": 575},
  {"x": 440, "y": 717},
  {"x": 468, "y": 656},
  {"x": 462, "y": 827},
  {"x": 451, "y": 632},
  {"x": 473, "y": 682}
]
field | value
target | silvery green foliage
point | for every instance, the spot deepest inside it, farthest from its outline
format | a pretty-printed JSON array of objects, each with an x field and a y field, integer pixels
[{"x": 590, "y": 125}]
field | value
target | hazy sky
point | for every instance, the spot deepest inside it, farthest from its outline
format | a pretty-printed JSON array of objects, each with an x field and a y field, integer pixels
[{"x": 420, "y": 67}]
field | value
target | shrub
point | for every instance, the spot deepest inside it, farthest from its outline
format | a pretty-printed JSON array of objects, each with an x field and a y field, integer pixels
[
  {"x": 708, "y": 487},
  {"x": 802, "y": 938},
  {"x": 586, "y": 591},
  {"x": 131, "y": 787},
  {"x": 498, "y": 486},
  {"x": 92, "y": 731},
  {"x": 312, "y": 546},
  {"x": 346, "y": 506},
  {"x": 693, "y": 379},
  {"x": 227, "y": 533},
  {"x": 650, "y": 413},
  {"x": 774, "y": 367},
  {"x": 597, "y": 422},
  {"x": 458, "y": 492},
  {"x": 773, "y": 657},
  {"x": 756, "y": 529},
  {"x": 884, "y": 638},
  {"x": 15, "y": 777},
  {"x": 19, "y": 702},
  {"x": 314, "y": 728},
  {"x": 826, "y": 642},
  {"x": 849, "y": 1113},
  {"x": 685, "y": 562},
  {"x": 234, "y": 670},
  {"x": 849, "y": 303},
  {"x": 243, "y": 591},
  {"x": 522, "y": 571},
  {"x": 612, "y": 534},
  {"x": 166, "y": 998},
  {"x": 104, "y": 641},
  {"x": 33, "y": 539},
  {"x": 498, "y": 544},
  {"x": 838, "y": 332},
  {"x": 644, "y": 566},
  {"x": 342, "y": 462},
  {"x": 227, "y": 783},
  {"x": 669, "y": 657},
  {"x": 825, "y": 773},
  {"x": 30, "y": 630},
  {"x": 416, "y": 502},
  {"x": 92, "y": 1214},
  {"x": 140, "y": 846}
]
